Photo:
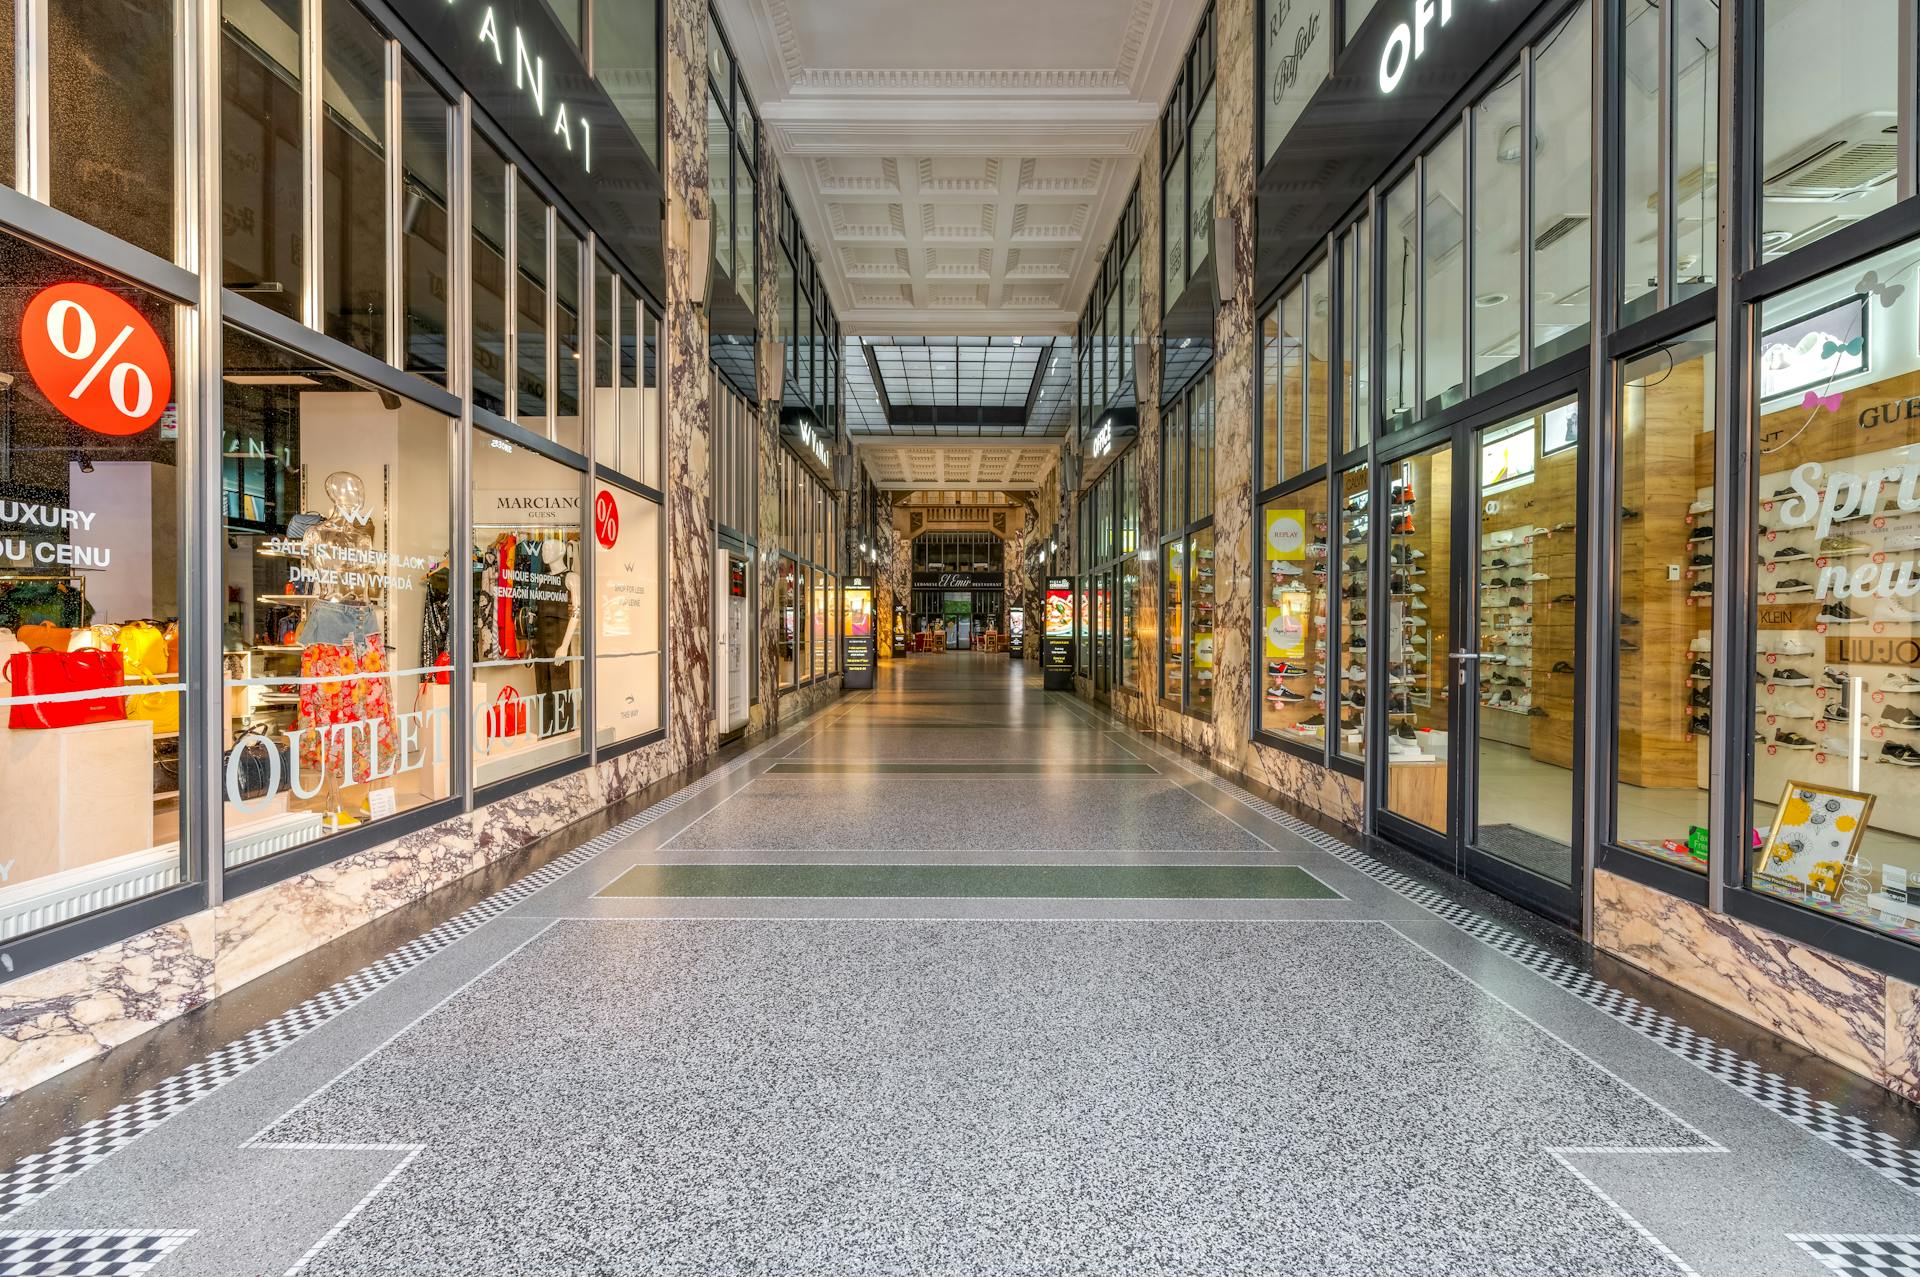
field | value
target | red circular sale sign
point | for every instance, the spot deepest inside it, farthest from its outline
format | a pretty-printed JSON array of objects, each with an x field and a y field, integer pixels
[
  {"x": 606, "y": 520},
  {"x": 96, "y": 358}
]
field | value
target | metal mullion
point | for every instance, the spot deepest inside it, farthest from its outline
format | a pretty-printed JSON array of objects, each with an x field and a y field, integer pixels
[
  {"x": 313, "y": 162},
  {"x": 396, "y": 204},
  {"x": 1469, "y": 209},
  {"x": 1663, "y": 292},
  {"x": 1527, "y": 167},
  {"x": 1909, "y": 31},
  {"x": 551, "y": 315},
  {"x": 1419, "y": 301},
  {"x": 510, "y": 287},
  {"x": 1728, "y": 750},
  {"x": 589, "y": 319},
  {"x": 460, "y": 362},
  {"x": 203, "y": 734},
  {"x": 30, "y": 131},
  {"x": 1596, "y": 665}
]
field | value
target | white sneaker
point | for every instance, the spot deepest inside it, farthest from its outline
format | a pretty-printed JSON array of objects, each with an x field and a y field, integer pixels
[
  {"x": 1793, "y": 647},
  {"x": 1894, "y": 612},
  {"x": 1701, "y": 643},
  {"x": 1899, "y": 682},
  {"x": 1788, "y": 709},
  {"x": 1703, "y": 506},
  {"x": 1538, "y": 576}
]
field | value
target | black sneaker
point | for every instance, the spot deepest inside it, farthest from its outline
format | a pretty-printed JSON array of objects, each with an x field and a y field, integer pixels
[
  {"x": 1314, "y": 720},
  {"x": 1500, "y": 563},
  {"x": 1563, "y": 667},
  {"x": 1700, "y": 725},
  {"x": 1534, "y": 711},
  {"x": 1792, "y": 585},
  {"x": 1628, "y": 618},
  {"x": 1791, "y": 552},
  {"x": 1404, "y": 731},
  {"x": 1356, "y": 642},
  {"x": 1791, "y": 740},
  {"x": 1833, "y": 677},
  {"x": 1900, "y": 754},
  {"x": 1701, "y": 533},
  {"x": 1628, "y": 645},
  {"x": 1563, "y": 598},
  {"x": 1837, "y": 613},
  {"x": 1793, "y": 678},
  {"x": 1628, "y": 514},
  {"x": 1701, "y": 561},
  {"x": 1836, "y": 712},
  {"x": 1701, "y": 587},
  {"x": 1700, "y": 698},
  {"x": 1286, "y": 695},
  {"x": 1701, "y": 670},
  {"x": 1900, "y": 716}
]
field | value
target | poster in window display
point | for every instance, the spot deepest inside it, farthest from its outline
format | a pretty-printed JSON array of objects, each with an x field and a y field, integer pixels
[
  {"x": 1814, "y": 349},
  {"x": 627, "y": 608},
  {"x": 1815, "y": 836}
]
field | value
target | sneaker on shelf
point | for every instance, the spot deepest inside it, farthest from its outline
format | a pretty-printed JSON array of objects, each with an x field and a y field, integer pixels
[
  {"x": 1791, "y": 740},
  {"x": 1702, "y": 533},
  {"x": 1901, "y": 716},
  {"x": 1628, "y": 645},
  {"x": 1314, "y": 720},
  {"x": 1563, "y": 598},
  {"x": 1514, "y": 600},
  {"x": 1287, "y": 694},
  {"x": 1499, "y": 563},
  {"x": 1791, "y": 585},
  {"x": 1793, "y": 647},
  {"x": 1905, "y": 540},
  {"x": 1628, "y": 513},
  {"x": 1900, "y": 754},
  {"x": 1538, "y": 576},
  {"x": 1899, "y": 681},
  {"x": 1700, "y": 587},
  {"x": 1700, "y": 670},
  {"x": 1563, "y": 667},
  {"x": 1703, "y": 506},
  {"x": 1700, "y": 725},
  {"x": 1283, "y": 568},
  {"x": 1534, "y": 711},
  {"x": 1836, "y": 712},
  {"x": 1628, "y": 618},
  {"x": 1700, "y": 698},
  {"x": 1399, "y": 747},
  {"x": 1791, "y": 677},
  {"x": 1787, "y": 554},
  {"x": 1788, "y": 709},
  {"x": 1700, "y": 561},
  {"x": 1894, "y": 612},
  {"x": 1840, "y": 543},
  {"x": 1833, "y": 677},
  {"x": 1701, "y": 643},
  {"x": 1838, "y": 613}
]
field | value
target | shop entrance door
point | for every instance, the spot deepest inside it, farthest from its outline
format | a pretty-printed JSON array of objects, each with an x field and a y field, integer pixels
[{"x": 1482, "y": 711}]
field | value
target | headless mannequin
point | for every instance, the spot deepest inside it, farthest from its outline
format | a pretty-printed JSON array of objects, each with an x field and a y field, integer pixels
[{"x": 338, "y": 550}]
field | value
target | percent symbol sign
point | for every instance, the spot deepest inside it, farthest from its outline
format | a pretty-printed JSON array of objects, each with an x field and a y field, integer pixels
[
  {"x": 606, "y": 520},
  {"x": 119, "y": 388}
]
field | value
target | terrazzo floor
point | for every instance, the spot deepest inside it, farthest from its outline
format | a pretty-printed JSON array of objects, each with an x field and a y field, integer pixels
[{"x": 650, "y": 1066}]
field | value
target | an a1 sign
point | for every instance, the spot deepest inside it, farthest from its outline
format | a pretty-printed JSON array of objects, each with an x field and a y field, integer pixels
[
  {"x": 606, "y": 520},
  {"x": 96, "y": 358}
]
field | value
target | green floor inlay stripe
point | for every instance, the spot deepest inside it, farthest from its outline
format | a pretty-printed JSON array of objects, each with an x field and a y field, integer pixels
[
  {"x": 1093, "y": 882},
  {"x": 997, "y": 768}
]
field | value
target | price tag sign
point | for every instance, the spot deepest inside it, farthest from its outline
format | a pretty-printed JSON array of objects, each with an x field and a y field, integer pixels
[
  {"x": 606, "y": 519},
  {"x": 96, "y": 359}
]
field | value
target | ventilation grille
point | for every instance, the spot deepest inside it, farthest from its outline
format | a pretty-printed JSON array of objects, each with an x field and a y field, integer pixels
[
  {"x": 1566, "y": 226},
  {"x": 78, "y": 892},
  {"x": 1857, "y": 156}
]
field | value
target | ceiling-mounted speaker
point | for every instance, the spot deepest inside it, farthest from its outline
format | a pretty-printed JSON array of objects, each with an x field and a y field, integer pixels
[
  {"x": 1226, "y": 265},
  {"x": 1142, "y": 354},
  {"x": 699, "y": 259}
]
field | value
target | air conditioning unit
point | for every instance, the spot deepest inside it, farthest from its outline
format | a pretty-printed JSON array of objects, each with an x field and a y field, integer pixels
[{"x": 1849, "y": 159}]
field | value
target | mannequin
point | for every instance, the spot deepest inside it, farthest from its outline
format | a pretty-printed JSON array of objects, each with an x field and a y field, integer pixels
[{"x": 340, "y": 641}]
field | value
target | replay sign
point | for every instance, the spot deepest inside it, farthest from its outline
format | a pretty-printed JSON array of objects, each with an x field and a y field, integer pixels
[{"x": 1407, "y": 42}]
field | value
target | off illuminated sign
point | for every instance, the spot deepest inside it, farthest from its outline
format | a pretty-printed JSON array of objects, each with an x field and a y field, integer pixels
[{"x": 1407, "y": 42}]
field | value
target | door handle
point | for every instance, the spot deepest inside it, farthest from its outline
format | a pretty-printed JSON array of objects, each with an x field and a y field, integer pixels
[{"x": 1477, "y": 656}]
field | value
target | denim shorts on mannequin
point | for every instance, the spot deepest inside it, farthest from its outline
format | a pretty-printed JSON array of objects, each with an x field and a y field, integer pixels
[{"x": 340, "y": 624}]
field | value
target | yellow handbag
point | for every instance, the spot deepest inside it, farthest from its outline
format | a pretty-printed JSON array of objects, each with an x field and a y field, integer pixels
[
  {"x": 162, "y": 709},
  {"x": 143, "y": 647}
]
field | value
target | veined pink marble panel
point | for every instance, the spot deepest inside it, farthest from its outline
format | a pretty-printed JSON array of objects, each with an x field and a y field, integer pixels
[
  {"x": 1903, "y": 1039},
  {"x": 1833, "y": 1008}
]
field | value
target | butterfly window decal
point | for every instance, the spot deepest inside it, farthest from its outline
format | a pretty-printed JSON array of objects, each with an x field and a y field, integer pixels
[{"x": 1886, "y": 294}]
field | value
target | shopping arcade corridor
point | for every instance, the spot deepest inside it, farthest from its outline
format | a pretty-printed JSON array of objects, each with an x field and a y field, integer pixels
[{"x": 1203, "y": 1038}]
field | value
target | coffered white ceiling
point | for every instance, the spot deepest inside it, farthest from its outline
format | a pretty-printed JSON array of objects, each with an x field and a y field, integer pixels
[
  {"x": 954, "y": 463},
  {"x": 958, "y": 165}
]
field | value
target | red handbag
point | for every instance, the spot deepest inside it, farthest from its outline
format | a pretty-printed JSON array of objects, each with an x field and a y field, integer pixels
[
  {"x": 49, "y": 673},
  {"x": 508, "y": 717},
  {"x": 443, "y": 663}
]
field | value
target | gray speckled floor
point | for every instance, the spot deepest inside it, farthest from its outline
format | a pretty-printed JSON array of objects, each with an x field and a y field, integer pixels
[{"x": 594, "y": 1085}]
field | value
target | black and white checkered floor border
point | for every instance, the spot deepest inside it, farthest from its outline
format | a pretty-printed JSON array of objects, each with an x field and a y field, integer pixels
[
  {"x": 1847, "y": 1132},
  {"x": 31, "y": 1178},
  {"x": 1881, "y": 1253},
  {"x": 86, "y": 1252}
]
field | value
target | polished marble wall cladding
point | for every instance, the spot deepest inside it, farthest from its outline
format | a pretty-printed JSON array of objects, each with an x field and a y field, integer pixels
[
  {"x": 769, "y": 357},
  {"x": 689, "y": 434},
  {"x": 56, "y": 1018},
  {"x": 1845, "y": 1013}
]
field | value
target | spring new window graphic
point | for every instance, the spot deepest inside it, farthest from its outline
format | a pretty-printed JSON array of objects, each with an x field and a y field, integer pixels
[{"x": 1294, "y": 583}]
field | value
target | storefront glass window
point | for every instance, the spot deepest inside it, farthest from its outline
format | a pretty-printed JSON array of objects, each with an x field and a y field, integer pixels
[
  {"x": 1444, "y": 280},
  {"x": 530, "y": 308},
  {"x": 1562, "y": 187},
  {"x": 1200, "y": 620},
  {"x": 353, "y": 259},
  {"x": 1173, "y": 451},
  {"x": 720, "y": 176},
  {"x": 338, "y": 594},
  {"x": 1696, "y": 143},
  {"x": 1272, "y": 359},
  {"x": 426, "y": 128},
  {"x": 1666, "y": 664},
  {"x": 1357, "y": 286},
  {"x": 1200, "y": 202},
  {"x": 822, "y": 589},
  {"x": 1830, "y": 112},
  {"x": 627, "y": 604},
  {"x": 525, "y": 561},
  {"x": 1200, "y": 449},
  {"x": 1130, "y": 319},
  {"x": 625, "y": 62},
  {"x": 489, "y": 317},
  {"x": 1419, "y": 510},
  {"x": 1354, "y": 12},
  {"x": 262, "y": 174},
  {"x": 1350, "y": 662},
  {"x": 567, "y": 422},
  {"x": 1837, "y": 732},
  {"x": 803, "y": 623},
  {"x": 1398, "y": 395},
  {"x": 1317, "y": 358},
  {"x": 1499, "y": 159},
  {"x": 746, "y": 222},
  {"x": 1173, "y": 204},
  {"x": 110, "y": 82},
  {"x": 91, "y": 594},
  {"x": 1640, "y": 195},
  {"x": 1293, "y": 586},
  {"x": 1293, "y": 386},
  {"x": 784, "y": 642},
  {"x": 1173, "y": 621}
]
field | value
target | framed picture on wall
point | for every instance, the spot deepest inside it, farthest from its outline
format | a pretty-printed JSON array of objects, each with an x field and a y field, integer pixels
[
  {"x": 1815, "y": 349},
  {"x": 1816, "y": 834}
]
